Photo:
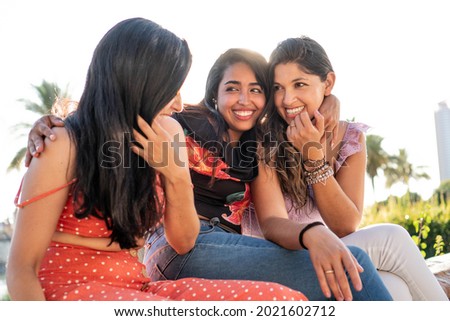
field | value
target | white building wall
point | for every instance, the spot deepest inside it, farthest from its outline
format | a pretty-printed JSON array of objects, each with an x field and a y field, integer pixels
[{"x": 442, "y": 122}]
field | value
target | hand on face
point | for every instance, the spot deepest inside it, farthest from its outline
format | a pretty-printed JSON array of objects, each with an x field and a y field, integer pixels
[
  {"x": 162, "y": 142},
  {"x": 305, "y": 133},
  {"x": 159, "y": 148},
  {"x": 299, "y": 94}
]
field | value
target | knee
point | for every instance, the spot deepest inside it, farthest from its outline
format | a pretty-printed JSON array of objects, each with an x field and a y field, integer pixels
[
  {"x": 394, "y": 232},
  {"x": 360, "y": 255}
]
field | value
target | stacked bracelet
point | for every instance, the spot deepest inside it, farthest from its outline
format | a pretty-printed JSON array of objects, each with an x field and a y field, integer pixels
[
  {"x": 302, "y": 232},
  {"x": 319, "y": 175},
  {"x": 312, "y": 165}
]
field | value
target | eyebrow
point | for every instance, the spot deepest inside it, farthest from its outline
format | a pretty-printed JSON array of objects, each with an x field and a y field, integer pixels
[
  {"x": 235, "y": 82},
  {"x": 293, "y": 80},
  {"x": 299, "y": 79}
]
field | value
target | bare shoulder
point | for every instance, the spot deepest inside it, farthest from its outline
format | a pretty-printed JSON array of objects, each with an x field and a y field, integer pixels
[
  {"x": 61, "y": 151},
  {"x": 62, "y": 141},
  {"x": 170, "y": 125}
]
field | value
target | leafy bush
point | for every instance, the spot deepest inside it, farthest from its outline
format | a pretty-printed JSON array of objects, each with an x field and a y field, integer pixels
[{"x": 428, "y": 222}]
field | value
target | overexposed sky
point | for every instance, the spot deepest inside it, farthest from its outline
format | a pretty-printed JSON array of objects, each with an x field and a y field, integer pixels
[{"x": 392, "y": 59}]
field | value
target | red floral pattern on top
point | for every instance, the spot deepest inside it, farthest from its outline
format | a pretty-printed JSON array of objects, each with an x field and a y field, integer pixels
[
  {"x": 202, "y": 161},
  {"x": 239, "y": 207}
]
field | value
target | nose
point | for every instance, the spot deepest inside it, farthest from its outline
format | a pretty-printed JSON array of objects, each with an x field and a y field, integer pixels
[
  {"x": 177, "y": 105},
  {"x": 243, "y": 98},
  {"x": 288, "y": 98}
]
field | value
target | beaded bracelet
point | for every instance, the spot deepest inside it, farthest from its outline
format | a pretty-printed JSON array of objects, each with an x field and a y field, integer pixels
[
  {"x": 313, "y": 165},
  {"x": 319, "y": 175},
  {"x": 307, "y": 227}
]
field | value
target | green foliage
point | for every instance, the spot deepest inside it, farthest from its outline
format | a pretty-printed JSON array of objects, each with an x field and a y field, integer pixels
[
  {"x": 396, "y": 168},
  {"x": 427, "y": 222},
  {"x": 400, "y": 170},
  {"x": 439, "y": 245},
  {"x": 47, "y": 93},
  {"x": 377, "y": 157},
  {"x": 442, "y": 194},
  {"x": 422, "y": 229}
]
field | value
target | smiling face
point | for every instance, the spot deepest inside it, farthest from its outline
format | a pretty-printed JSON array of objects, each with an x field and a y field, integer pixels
[
  {"x": 296, "y": 90},
  {"x": 240, "y": 99}
]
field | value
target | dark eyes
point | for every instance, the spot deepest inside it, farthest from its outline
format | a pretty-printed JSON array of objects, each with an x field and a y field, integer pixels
[
  {"x": 296, "y": 85},
  {"x": 255, "y": 90},
  {"x": 231, "y": 89}
]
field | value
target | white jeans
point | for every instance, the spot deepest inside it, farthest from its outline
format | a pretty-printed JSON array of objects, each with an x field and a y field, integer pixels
[{"x": 397, "y": 258}]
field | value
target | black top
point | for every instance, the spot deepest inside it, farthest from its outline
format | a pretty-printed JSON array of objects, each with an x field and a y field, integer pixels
[{"x": 241, "y": 168}]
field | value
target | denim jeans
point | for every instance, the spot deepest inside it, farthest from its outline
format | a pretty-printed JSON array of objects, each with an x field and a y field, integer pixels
[{"x": 222, "y": 255}]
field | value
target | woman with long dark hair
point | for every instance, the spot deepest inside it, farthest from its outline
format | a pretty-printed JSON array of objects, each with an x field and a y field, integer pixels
[{"x": 321, "y": 184}]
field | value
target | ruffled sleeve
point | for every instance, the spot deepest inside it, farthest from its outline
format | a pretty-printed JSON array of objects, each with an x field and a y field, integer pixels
[{"x": 350, "y": 143}]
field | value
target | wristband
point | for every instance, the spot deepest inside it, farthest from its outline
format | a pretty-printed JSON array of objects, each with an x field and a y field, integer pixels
[
  {"x": 313, "y": 164},
  {"x": 307, "y": 227}
]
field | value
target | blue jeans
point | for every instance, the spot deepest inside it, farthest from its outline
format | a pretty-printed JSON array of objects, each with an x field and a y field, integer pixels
[{"x": 222, "y": 255}]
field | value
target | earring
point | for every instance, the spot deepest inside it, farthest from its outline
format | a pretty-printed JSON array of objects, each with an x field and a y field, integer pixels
[{"x": 215, "y": 103}]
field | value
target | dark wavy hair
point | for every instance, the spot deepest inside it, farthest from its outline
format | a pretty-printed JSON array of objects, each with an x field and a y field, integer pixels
[
  {"x": 256, "y": 62},
  {"x": 277, "y": 151},
  {"x": 206, "y": 107},
  {"x": 136, "y": 69}
]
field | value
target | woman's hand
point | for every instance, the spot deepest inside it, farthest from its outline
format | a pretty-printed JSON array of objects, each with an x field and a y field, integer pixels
[
  {"x": 41, "y": 129},
  {"x": 332, "y": 260},
  {"x": 330, "y": 109},
  {"x": 305, "y": 134},
  {"x": 164, "y": 148},
  {"x": 160, "y": 149}
]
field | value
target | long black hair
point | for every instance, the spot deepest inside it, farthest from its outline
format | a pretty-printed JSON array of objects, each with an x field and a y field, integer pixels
[
  {"x": 136, "y": 69},
  {"x": 215, "y": 135},
  {"x": 256, "y": 62}
]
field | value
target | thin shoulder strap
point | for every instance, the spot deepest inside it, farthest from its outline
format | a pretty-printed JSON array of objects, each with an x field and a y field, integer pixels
[{"x": 41, "y": 196}]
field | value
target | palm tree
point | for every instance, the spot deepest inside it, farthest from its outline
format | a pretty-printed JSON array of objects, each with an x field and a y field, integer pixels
[
  {"x": 377, "y": 158},
  {"x": 400, "y": 170},
  {"x": 47, "y": 93},
  {"x": 442, "y": 193}
]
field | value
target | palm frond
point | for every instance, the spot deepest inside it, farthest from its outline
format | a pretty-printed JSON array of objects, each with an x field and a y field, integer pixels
[
  {"x": 47, "y": 93},
  {"x": 17, "y": 160}
]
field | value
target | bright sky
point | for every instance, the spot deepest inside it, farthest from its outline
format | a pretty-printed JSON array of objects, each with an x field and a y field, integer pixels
[{"x": 392, "y": 59}]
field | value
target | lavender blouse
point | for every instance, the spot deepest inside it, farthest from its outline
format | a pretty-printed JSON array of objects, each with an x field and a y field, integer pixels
[{"x": 309, "y": 212}]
